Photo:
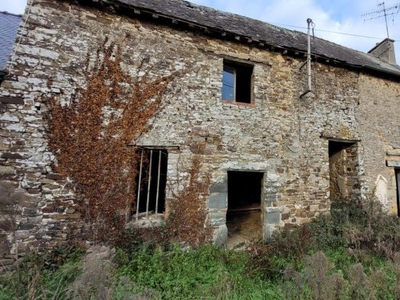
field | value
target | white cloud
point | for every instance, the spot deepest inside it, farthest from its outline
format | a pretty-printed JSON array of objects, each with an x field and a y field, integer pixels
[{"x": 13, "y": 6}]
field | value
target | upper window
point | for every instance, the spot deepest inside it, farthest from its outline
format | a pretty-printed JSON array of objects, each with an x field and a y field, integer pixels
[{"x": 237, "y": 82}]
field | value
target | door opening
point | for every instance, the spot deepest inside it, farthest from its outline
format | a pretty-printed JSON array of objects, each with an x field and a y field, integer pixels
[
  {"x": 344, "y": 182},
  {"x": 244, "y": 218}
]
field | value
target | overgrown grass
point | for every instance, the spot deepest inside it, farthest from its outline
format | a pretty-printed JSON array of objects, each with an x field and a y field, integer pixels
[
  {"x": 207, "y": 273},
  {"x": 352, "y": 254},
  {"x": 42, "y": 276}
]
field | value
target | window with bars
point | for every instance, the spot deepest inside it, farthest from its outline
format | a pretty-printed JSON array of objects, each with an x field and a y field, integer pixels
[{"x": 151, "y": 183}]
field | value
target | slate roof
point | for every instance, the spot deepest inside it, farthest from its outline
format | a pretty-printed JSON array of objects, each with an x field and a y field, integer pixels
[
  {"x": 256, "y": 31},
  {"x": 9, "y": 25}
]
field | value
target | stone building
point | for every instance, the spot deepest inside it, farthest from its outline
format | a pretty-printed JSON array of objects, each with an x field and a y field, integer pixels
[{"x": 276, "y": 148}]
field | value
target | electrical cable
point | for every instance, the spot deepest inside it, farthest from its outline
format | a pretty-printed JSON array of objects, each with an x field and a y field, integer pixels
[{"x": 329, "y": 31}]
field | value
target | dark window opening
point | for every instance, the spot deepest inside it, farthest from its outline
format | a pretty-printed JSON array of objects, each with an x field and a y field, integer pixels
[
  {"x": 151, "y": 181},
  {"x": 397, "y": 172},
  {"x": 244, "y": 206},
  {"x": 344, "y": 181},
  {"x": 237, "y": 82}
]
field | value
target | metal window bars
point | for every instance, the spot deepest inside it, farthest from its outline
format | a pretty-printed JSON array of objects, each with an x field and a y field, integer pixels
[{"x": 150, "y": 199}]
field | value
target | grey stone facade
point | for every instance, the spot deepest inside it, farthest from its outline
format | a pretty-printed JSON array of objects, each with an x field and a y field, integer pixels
[{"x": 288, "y": 138}]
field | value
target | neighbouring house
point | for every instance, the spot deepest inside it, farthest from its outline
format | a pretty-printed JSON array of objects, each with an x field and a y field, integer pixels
[
  {"x": 9, "y": 24},
  {"x": 269, "y": 147}
]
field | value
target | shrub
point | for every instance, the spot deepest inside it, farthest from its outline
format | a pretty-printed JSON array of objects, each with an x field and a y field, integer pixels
[
  {"x": 42, "y": 276},
  {"x": 207, "y": 272},
  {"x": 316, "y": 281},
  {"x": 286, "y": 246}
]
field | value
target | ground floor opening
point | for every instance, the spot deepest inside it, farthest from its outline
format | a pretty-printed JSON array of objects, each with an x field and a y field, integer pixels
[
  {"x": 343, "y": 161},
  {"x": 244, "y": 215}
]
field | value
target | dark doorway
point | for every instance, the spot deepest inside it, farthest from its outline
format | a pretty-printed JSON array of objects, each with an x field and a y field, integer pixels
[
  {"x": 344, "y": 181},
  {"x": 244, "y": 206}
]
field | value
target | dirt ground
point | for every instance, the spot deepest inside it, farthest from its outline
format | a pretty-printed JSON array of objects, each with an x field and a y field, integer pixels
[{"x": 243, "y": 227}]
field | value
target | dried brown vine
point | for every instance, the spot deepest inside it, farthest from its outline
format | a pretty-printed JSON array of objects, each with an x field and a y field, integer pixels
[
  {"x": 90, "y": 137},
  {"x": 188, "y": 219}
]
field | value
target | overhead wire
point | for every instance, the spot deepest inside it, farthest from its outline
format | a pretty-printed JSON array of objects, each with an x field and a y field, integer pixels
[{"x": 329, "y": 31}]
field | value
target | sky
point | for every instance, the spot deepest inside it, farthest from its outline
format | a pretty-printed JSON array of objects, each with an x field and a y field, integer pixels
[{"x": 339, "y": 21}]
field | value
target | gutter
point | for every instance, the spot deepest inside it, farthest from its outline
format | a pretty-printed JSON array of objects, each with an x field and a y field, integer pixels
[{"x": 389, "y": 72}]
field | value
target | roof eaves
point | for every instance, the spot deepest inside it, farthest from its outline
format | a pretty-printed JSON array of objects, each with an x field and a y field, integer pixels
[{"x": 281, "y": 39}]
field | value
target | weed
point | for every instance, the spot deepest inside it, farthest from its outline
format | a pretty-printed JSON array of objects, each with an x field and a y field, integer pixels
[
  {"x": 11, "y": 200},
  {"x": 34, "y": 279},
  {"x": 187, "y": 222},
  {"x": 287, "y": 246},
  {"x": 359, "y": 288},
  {"x": 291, "y": 265},
  {"x": 395, "y": 268},
  {"x": 95, "y": 281}
]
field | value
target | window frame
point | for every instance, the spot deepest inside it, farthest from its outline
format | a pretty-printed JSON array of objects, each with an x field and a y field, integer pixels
[
  {"x": 243, "y": 71},
  {"x": 150, "y": 170},
  {"x": 230, "y": 70}
]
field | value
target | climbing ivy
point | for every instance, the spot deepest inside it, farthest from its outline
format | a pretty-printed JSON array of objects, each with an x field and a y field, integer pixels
[
  {"x": 187, "y": 222},
  {"x": 90, "y": 136}
]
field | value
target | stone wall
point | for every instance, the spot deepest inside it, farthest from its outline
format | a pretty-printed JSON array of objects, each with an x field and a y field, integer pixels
[
  {"x": 379, "y": 125},
  {"x": 280, "y": 134}
]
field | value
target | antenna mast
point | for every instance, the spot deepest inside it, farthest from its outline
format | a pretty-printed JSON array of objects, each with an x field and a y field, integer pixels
[{"x": 384, "y": 12}]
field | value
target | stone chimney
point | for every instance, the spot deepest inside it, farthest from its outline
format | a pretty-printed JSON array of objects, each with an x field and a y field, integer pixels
[{"x": 384, "y": 51}]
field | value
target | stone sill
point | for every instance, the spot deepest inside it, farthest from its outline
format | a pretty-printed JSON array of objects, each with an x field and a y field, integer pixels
[
  {"x": 149, "y": 222},
  {"x": 239, "y": 103},
  {"x": 393, "y": 163}
]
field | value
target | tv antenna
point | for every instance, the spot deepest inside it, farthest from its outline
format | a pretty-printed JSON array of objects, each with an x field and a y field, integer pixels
[{"x": 383, "y": 12}]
